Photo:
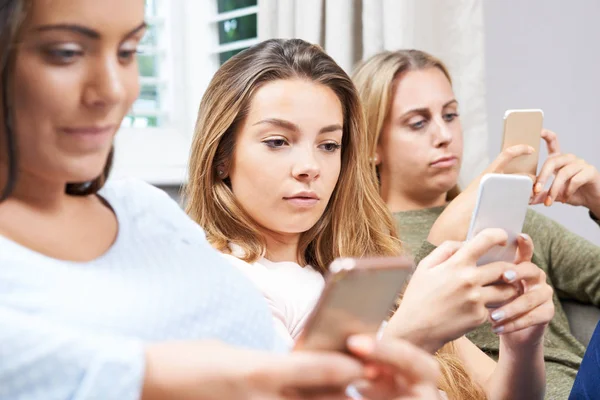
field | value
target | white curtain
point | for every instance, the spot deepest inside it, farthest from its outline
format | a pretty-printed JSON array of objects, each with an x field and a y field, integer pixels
[{"x": 350, "y": 30}]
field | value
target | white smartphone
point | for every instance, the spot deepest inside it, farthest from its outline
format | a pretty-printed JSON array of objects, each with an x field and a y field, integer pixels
[
  {"x": 502, "y": 202},
  {"x": 359, "y": 295},
  {"x": 523, "y": 127}
]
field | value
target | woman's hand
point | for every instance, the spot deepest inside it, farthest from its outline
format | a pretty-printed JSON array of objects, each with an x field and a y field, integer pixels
[
  {"x": 522, "y": 321},
  {"x": 520, "y": 372},
  {"x": 212, "y": 370},
  {"x": 448, "y": 295},
  {"x": 453, "y": 223},
  {"x": 395, "y": 369},
  {"x": 575, "y": 181}
]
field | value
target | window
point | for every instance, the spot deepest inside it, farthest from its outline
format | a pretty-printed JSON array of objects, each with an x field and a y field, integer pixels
[
  {"x": 237, "y": 26},
  {"x": 185, "y": 43}
]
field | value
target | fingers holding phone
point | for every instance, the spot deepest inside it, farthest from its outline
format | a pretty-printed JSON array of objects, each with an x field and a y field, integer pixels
[
  {"x": 449, "y": 295},
  {"x": 573, "y": 181},
  {"x": 396, "y": 369}
]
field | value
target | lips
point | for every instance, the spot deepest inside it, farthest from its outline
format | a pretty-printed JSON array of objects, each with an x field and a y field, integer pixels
[
  {"x": 303, "y": 199},
  {"x": 445, "y": 162},
  {"x": 89, "y": 130}
]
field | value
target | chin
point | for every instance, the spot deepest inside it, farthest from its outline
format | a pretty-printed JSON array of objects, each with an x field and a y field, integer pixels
[
  {"x": 298, "y": 227},
  {"x": 85, "y": 170}
]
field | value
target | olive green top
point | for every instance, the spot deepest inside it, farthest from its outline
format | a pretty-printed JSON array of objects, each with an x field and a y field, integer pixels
[{"x": 572, "y": 265}]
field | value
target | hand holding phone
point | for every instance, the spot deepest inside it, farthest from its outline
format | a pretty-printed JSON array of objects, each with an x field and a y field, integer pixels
[
  {"x": 523, "y": 127},
  {"x": 359, "y": 295}
]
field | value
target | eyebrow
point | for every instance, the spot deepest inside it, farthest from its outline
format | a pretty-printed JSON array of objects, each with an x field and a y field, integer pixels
[
  {"x": 82, "y": 30},
  {"x": 425, "y": 110},
  {"x": 294, "y": 128}
]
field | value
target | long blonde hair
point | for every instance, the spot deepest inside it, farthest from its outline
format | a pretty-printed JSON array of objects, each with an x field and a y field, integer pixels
[
  {"x": 374, "y": 79},
  {"x": 355, "y": 223}
]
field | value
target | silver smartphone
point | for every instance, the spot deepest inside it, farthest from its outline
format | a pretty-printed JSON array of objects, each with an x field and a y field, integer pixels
[{"x": 502, "y": 202}]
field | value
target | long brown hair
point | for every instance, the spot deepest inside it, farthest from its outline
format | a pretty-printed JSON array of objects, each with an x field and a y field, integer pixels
[
  {"x": 374, "y": 79},
  {"x": 13, "y": 13},
  {"x": 355, "y": 223}
]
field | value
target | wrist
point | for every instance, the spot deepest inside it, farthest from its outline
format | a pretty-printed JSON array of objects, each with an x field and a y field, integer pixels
[
  {"x": 520, "y": 350},
  {"x": 418, "y": 337}
]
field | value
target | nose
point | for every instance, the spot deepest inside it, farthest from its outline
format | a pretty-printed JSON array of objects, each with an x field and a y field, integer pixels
[
  {"x": 306, "y": 167},
  {"x": 442, "y": 136},
  {"x": 105, "y": 86}
]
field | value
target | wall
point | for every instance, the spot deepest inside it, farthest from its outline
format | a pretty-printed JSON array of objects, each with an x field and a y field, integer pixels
[{"x": 545, "y": 54}]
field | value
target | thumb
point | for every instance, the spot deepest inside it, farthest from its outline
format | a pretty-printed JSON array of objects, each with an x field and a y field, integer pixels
[
  {"x": 507, "y": 155},
  {"x": 442, "y": 253}
]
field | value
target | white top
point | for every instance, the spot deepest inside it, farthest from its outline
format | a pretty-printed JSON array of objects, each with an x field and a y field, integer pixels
[
  {"x": 291, "y": 291},
  {"x": 77, "y": 330}
]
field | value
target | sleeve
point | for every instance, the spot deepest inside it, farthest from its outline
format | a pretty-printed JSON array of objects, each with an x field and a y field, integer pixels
[
  {"x": 41, "y": 360},
  {"x": 425, "y": 250},
  {"x": 573, "y": 262}
]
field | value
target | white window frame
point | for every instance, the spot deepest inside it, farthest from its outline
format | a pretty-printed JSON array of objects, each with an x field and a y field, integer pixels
[{"x": 159, "y": 155}]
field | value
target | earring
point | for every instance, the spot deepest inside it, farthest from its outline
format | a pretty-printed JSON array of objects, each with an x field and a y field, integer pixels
[{"x": 221, "y": 171}]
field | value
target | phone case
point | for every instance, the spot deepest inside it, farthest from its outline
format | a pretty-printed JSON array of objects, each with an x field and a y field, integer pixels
[
  {"x": 523, "y": 127},
  {"x": 359, "y": 295},
  {"x": 502, "y": 202}
]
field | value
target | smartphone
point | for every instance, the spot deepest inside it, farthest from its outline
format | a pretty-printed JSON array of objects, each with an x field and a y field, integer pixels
[
  {"x": 359, "y": 295},
  {"x": 502, "y": 202},
  {"x": 523, "y": 127}
]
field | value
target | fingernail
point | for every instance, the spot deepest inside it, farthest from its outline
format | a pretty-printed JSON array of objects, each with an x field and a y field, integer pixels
[
  {"x": 362, "y": 344},
  {"x": 525, "y": 236},
  {"x": 498, "y": 329},
  {"x": 510, "y": 275},
  {"x": 498, "y": 315},
  {"x": 530, "y": 149},
  {"x": 538, "y": 188},
  {"x": 548, "y": 202}
]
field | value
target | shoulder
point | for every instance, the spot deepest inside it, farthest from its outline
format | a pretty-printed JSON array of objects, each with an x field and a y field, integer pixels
[
  {"x": 538, "y": 224},
  {"x": 148, "y": 208},
  {"x": 135, "y": 193}
]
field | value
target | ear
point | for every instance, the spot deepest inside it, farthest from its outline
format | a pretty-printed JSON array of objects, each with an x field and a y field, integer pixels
[
  {"x": 222, "y": 171},
  {"x": 377, "y": 156}
]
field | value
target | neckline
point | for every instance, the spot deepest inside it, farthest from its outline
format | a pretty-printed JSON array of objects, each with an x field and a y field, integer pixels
[{"x": 121, "y": 228}]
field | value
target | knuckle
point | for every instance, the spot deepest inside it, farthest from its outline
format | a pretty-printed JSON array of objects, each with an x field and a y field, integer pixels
[
  {"x": 474, "y": 298},
  {"x": 481, "y": 316},
  {"x": 469, "y": 280}
]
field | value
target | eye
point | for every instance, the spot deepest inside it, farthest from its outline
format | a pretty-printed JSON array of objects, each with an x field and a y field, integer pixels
[
  {"x": 127, "y": 56},
  {"x": 275, "y": 143},
  {"x": 330, "y": 147},
  {"x": 449, "y": 117},
  {"x": 418, "y": 125},
  {"x": 64, "y": 55}
]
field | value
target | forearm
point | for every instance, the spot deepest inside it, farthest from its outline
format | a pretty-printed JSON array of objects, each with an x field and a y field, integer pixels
[{"x": 519, "y": 374}]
